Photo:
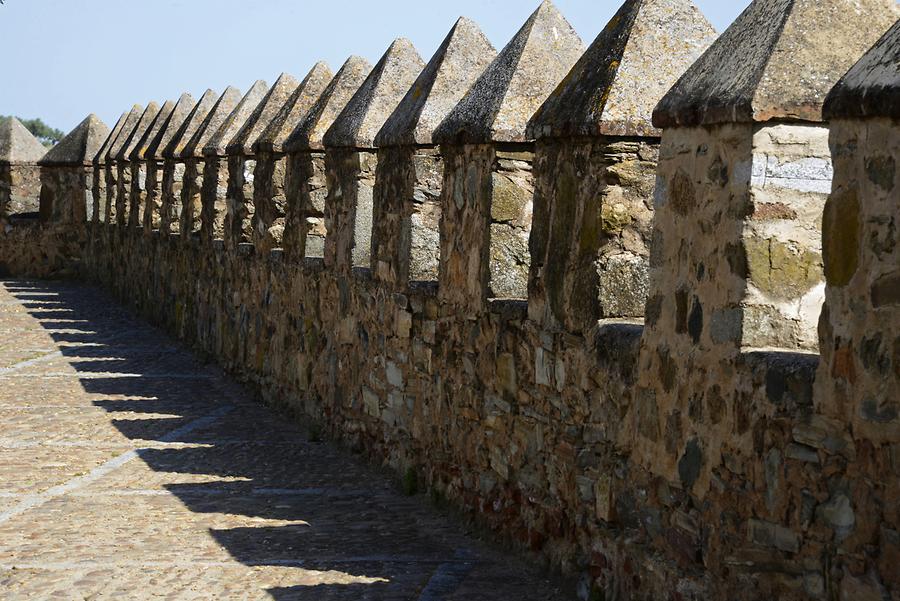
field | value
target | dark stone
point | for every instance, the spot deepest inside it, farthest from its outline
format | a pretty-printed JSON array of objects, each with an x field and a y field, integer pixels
[
  {"x": 881, "y": 171},
  {"x": 648, "y": 414},
  {"x": 718, "y": 172},
  {"x": 896, "y": 358},
  {"x": 681, "y": 304},
  {"x": 653, "y": 311},
  {"x": 879, "y": 413},
  {"x": 840, "y": 237},
  {"x": 682, "y": 195},
  {"x": 872, "y": 356},
  {"x": 775, "y": 386},
  {"x": 690, "y": 463},
  {"x": 886, "y": 291},
  {"x": 695, "y": 322},
  {"x": 668, "y": 369},
  {"x": 673, "y": 432},
  {"x": 737, "y": 259},
  {"x": 715, "y": 404}
]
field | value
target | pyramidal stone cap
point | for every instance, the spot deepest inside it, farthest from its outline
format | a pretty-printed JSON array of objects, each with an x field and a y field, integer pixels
[
  {"x": 636, "y": 59},
  {"x": 311, "y": 131},
  {"x": 210, "y": 124},
  {"x": 295, "y": 109},
  {"x": 376, "y": 98},
  {"x": 262, "y": 115},
  {"x": 461, "y": 58},
  {"x": 175, "y": 146},
  {"x": 100, "y": 159},
  {"x": 503, "y": 100},
  {"x": 169, "y": 127},
  {"x": 778, "y": 60},
  {"x": 218, "y": 142},
  {"x": 140, "y": 129},
  {"x": 872, "y": 86},
  {"x": 140, "y": 150},
  {"x": 17, "y": 144},
  {"x": 80, "y": 146},
  {"x": 130, "y": 123}
]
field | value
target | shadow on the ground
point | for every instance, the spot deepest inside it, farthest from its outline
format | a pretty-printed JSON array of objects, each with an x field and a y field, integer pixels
[{"x": 345, "y": 531}]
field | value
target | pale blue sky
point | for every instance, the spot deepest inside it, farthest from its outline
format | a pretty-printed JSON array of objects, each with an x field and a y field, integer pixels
[{"x": 64, "y": 59}]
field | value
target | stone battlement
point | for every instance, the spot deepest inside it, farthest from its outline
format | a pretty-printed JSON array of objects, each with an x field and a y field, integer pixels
[{"x": 577, "y": 292}]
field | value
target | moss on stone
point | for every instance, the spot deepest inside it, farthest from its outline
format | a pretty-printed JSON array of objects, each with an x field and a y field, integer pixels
[
  {"x": 782, "y": 270},
  {"x": 841, "y": 236}
]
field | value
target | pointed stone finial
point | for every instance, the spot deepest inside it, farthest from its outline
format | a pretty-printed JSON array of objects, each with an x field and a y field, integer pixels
[
  {"x": 80, "y": 146},
  {"x": 216, "y": 146},
  {"x": 506, "y": 96},
  {"x": 311, "y": 131},
  {"x": 636, "y": 59},
  {"x": 192, "y": 122},
  {"x": 170, "y": 127},
  {"x": 210, "y": 124},
  {"x": 872, "y": 86},
  {"x": 461, "y": 58},
  {"x": 140, "y": 149},
  {"x": 100, "y": 159},
  {"x": 295, "y": 109},
  {"x": 140, "y": 129},
  {"x": 376, "y": 98},
  {"x": 778, "y": 60},
  {"x": 271, "y": 104},
  {"x": 17, "y": 145},
  {"x": 130, "y": 123}
]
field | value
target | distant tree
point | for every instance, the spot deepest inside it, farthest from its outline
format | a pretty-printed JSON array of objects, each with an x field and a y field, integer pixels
[{"x": 48, "y": 136}]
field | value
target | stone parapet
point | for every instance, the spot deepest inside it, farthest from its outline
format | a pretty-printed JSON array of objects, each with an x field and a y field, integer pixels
[{"x": 702, "y": 451}]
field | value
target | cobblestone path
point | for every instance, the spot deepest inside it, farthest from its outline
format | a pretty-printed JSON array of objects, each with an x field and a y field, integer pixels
[{"x": 128, "y": 470}]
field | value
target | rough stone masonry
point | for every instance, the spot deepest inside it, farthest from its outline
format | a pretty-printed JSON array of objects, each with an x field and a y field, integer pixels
[{"x": 615, "y": 363}]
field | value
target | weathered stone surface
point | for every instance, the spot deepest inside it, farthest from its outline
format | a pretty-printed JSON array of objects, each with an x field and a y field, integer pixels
[
  {"x": 137, "y": 134},
  {"x": 158, "y": 142},
  {"x": 214, "y": 120},
  {"x": 778, "y": 60},
  {"x": 310, "y": 133},
  {"x": 170, "y": 126},
  {"x": 180, "y": 141},
  {"x": 17, "y": 145},
  {"x": 270, "y": 186},
  {"x": 100, "y": 158},
  {"x": 20, "y": 177},
  {"x": 167, "y": 173},
  {"x": 67, "y": 174},
  {"x": 460, "y": 59},
  {"x": 872, "y": 86},
  {"x": 80, "y": 145},
  {"x": 235, "y": 121},
  {"x": 859, "y": 345},
  {"x": 501, "y": 102},
  {"x": 614, "y": 87},
  {"x": 114, "y": 146},
  {"x": 366, "y": 112},
  {"x": 295, "y": 109},
  {"x": 261, "y": 117},
  {"x": 111, "y": 176},
  {"x": 139, "y": 150}
]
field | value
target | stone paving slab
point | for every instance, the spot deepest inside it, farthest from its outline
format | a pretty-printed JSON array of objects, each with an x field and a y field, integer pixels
[{"x": 129, "y": 470}]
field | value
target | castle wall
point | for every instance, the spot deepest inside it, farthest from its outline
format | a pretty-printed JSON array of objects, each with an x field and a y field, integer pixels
[{"x": 20, "y": 189}]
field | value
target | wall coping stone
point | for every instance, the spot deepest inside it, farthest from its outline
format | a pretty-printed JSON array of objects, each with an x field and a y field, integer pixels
[
  {"x": 502, "y": 101},
  {"x": 635, "y": 60},
  {"x": 872, "y": 86},
  {"x": 171, "y": 126},
  {"x": 378, "y": 96},
  {"x": 778, "y": 60},
  {"x": 461, "y": 58},
  {"x": 80, "y": 146}
]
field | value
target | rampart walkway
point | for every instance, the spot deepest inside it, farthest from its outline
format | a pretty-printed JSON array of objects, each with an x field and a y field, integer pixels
[{"x": 129, "y": 470}]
